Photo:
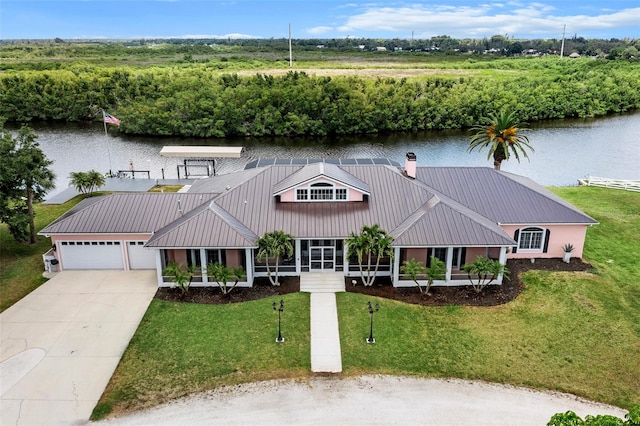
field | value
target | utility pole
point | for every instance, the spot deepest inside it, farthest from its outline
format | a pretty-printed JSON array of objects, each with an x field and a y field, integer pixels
[
  {"x": 562, "y": 47},
  {"x": 290, "y": 53}
]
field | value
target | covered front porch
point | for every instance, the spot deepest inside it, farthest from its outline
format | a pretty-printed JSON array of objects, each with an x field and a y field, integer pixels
[
  {"x": 454, "y": 257},
  {"x": 325, "y": 256}
]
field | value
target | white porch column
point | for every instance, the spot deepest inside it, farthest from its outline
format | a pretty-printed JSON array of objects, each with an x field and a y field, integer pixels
[
  {"x": 298, "y": 252},
  {"x": 503, "y": 261},
  {"x": 203, "y": 265},
  {"x": 159, "y": 266},
  {"x": 447, "y": 276},
  {"x": 248, "y": 254},
  {"x": 396, "y": 265},
  {"x": 345, "y": 259}
]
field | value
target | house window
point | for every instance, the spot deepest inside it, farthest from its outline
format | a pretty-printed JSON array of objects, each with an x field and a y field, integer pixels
[
  {"x": 321, "y": 191},
  {"x": 531, "y": 239},
  {"x": 216, "y": 256}
]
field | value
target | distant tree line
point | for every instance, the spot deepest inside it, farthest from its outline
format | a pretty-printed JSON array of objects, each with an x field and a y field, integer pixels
[
  {"x": 497, "y": 44},
  {"x": 196, "y": 100}
]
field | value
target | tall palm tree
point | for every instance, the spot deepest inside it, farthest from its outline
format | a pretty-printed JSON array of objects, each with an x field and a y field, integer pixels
[
  {"x": 274, "y": 245},
  {"x": 374, "y": 243},
  {"x": 502, "y": 137}
]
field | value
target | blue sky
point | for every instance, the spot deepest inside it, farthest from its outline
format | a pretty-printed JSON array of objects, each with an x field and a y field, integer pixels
[{"x": 317, "y": 19}]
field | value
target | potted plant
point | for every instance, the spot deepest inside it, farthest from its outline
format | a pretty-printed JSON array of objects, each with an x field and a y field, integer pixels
[{"x": 567, "y": 248}]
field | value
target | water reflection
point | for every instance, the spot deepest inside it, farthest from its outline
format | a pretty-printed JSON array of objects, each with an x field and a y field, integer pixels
[{"x": 565, "y": 150}]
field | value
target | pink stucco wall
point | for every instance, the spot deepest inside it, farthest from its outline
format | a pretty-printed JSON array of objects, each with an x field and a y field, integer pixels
[{"x": 559, "y": 236}]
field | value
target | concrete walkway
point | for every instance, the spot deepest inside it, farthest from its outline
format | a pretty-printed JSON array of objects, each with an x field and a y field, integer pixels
[
  {"x": 325, "y": 336},
  {"x": 61, "y": 343}
]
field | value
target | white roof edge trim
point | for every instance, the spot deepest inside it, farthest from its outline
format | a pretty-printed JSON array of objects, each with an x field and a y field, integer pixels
[
  {"x": 297, "y": 185},
  {"x": 201, "y": 151}
]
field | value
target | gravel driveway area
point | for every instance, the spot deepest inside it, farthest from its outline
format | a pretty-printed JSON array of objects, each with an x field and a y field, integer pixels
[{"x": 367, "y": 400}]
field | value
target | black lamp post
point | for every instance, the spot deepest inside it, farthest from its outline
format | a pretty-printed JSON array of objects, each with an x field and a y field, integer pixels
[
  {"x": 280, "y": 309},
  {"x": 372, "y": 309}
]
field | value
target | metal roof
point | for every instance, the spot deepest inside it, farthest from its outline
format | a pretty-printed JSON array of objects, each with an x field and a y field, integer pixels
[
  {"x": 206, "y": 226},
  {"x": 201, "y": 151},
  {"x": 315, "y": 170},
  {"x": 504, "y": 198},
  {"x": 442, "y": 206},
  {"x": 126, "y": 213}
]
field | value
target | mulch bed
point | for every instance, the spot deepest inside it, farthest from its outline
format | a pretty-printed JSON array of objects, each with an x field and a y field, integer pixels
[
  {"x": 492, "y": 295},
  {"x": 261, "y": 289}
]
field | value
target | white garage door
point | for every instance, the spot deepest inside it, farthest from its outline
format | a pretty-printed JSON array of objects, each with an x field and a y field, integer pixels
[
  {"x": 141, "y": 257},
  {"x": 91, "y": 255}
]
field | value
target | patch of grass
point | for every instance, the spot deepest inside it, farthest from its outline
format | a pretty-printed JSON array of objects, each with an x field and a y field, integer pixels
[
  {"x": 166, "y": 188},
  {"x": 181, "y": 348},
  {"x": 21, "y": 264},
  {"x": 572, "y": 332}
]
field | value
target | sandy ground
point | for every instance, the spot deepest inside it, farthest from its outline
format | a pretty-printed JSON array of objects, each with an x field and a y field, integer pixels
[{"x": 370, "y": 400}]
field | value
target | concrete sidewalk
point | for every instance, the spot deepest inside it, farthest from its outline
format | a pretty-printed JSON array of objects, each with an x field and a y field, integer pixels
[
  {"x": 61, "y": 343},
  {"x": 325, "y": 335}
]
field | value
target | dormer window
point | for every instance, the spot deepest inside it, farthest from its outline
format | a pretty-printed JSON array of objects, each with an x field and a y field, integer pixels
[{"x": 321, "y": 191}]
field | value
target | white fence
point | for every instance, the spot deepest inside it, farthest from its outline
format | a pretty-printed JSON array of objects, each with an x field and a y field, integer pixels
[{"x": 627, "y": 185}]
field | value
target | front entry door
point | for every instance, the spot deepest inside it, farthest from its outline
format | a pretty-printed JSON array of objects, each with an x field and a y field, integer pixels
[{"x": 322, "y": 258}]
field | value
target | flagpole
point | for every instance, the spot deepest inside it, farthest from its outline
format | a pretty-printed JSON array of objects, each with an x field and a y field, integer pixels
[{"x": 106, "y": 136}]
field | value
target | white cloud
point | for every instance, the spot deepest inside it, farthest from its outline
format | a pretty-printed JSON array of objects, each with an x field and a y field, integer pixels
[
  {"x": 319, "y": 30},
  {"x": 516, "y": 18}
]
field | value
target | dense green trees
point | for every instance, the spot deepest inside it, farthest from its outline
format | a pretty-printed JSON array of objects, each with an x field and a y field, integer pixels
[
  {"x": 25, "y": 178},
  {"x": 196, "y": 100}
]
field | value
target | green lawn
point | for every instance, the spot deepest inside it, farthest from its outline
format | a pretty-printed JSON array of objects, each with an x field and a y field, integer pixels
[
  {"x": 181, "y": 348},
  {"x": 573, "y": 332}
]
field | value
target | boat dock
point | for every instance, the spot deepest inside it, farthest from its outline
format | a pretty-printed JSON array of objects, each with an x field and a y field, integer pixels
[{"x": 114, "y": 184}]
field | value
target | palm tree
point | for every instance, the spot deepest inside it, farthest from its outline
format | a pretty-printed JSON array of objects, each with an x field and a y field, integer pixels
[
  {"x": 372, "y": 242},
  {"x": 502, "y": 137},
  {"x": 224, "y": 275},
  {"x": 274, "y": 244},
  {"x": 86, "y": 182},
  {"x": 436, "y": 271}
]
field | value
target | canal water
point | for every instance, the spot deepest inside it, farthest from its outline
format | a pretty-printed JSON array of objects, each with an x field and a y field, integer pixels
[{"x": 565, "y": 150}]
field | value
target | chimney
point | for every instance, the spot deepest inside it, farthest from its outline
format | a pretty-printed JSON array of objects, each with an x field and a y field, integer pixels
[{"x": 410, "y": 165}]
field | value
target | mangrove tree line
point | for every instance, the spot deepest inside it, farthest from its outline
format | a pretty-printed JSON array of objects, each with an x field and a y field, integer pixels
[{"x": 198, "y": 100}]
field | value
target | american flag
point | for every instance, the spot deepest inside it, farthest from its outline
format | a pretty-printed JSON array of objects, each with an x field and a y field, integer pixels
[{"x": 110, "y": 119}]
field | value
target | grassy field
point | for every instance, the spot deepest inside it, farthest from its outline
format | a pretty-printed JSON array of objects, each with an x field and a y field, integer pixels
[{"x": 574, "y": 332}]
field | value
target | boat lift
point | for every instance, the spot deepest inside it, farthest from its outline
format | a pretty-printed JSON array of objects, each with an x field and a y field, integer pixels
[{"x": 195, "y": 156}]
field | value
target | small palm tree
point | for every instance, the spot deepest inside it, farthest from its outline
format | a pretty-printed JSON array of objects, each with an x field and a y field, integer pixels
[
  {"x": 414, "y": 268},
  {"x": 86, "y": 182},
  {"x": 374, "y": 243},
  {"x": 483, "y": 272},
  {"x": 224, "y": 275},
  {"x": 181, "y": 274},
  {"x": 274, "y": 245},
  {"x": 501, "y": 137}
]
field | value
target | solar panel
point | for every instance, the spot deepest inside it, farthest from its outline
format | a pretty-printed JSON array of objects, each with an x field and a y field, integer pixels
[{"x": 263, "y": 162}]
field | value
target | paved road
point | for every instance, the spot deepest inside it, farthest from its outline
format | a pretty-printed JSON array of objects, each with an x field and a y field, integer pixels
[
  {"x": 366, "y": 401},
  {"x": 61, "y": 343}
]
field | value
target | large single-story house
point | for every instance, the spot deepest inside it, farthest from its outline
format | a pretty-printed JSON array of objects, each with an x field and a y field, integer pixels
[{"x": 453, "y": 213}]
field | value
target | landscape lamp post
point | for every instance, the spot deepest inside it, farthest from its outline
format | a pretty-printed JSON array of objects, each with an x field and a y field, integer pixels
[
  {"x": 371, "y": 311},
  {"x": 280, "y": 309}
]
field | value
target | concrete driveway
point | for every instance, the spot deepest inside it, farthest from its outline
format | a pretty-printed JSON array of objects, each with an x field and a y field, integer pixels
[{"x": 61, "y": 344}]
